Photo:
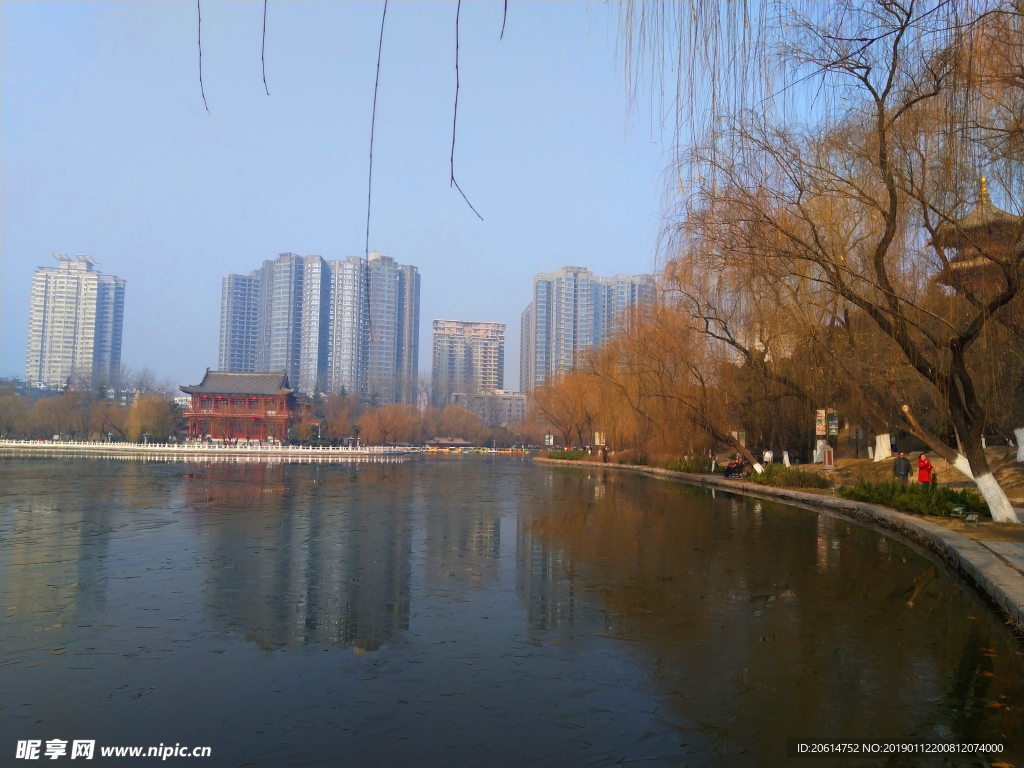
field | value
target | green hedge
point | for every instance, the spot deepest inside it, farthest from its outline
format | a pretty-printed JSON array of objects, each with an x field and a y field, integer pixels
[
  {"x": 698, "y": 465},
  {"x": 571, "y": 455},
  {"x": 782, "y": 476},
  {"x": 918, "y": 498}
]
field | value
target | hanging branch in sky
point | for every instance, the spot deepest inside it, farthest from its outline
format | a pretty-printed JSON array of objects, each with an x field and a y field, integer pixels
[
  {"x": 504, "y": 18},
  {"x": 200, "y": 12},
  {"x": 373, "y": 123},
  {"x": 455, "y": 118},
  {"x": 264, "y": 48}
]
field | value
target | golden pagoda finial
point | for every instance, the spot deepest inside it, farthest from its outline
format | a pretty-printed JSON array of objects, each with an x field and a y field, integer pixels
[{"x": 984, "y": 187}]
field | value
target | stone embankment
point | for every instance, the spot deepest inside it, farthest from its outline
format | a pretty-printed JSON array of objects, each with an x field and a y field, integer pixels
[{"x": 995, "y": 569}]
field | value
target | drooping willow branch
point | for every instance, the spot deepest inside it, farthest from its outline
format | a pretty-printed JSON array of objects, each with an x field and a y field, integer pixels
[
  {"x": 203, "y": 92},
  {"x": 455, "y": 118},
  {"x": 373, "y": 124},
  {"x": 264, "y": 48}
]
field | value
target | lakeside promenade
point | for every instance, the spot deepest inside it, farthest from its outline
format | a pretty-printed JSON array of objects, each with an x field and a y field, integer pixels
[
  {"x": 204, "y": 451},
  {"x": 994, "y": 569}
]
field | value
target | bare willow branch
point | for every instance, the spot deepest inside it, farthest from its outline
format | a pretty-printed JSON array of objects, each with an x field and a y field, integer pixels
[
  {"x": 201, "y": 90},
  {"x": 455, "y": 116},
  {"x": 264, "y": 48},
  {"x": 373, "y": 125}
]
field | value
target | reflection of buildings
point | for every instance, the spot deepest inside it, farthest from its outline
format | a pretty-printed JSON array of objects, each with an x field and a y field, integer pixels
[
  {"x": 54, "y": 555},
  {"x": 304, "y": 562},
  {"x": 545, "y": 582},
  {"x": 464, "y": 545}
]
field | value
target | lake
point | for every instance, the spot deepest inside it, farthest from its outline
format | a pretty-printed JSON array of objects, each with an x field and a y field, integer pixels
[{"x": 472, "y": 610}]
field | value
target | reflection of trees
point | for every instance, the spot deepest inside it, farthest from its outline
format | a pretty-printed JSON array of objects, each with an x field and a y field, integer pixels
[
  {"x": 758, "y": 613},
  {"x": 307, "y": 559}
]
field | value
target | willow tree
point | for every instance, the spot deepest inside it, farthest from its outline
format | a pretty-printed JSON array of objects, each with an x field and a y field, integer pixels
[{"x": 859, "y": 191}]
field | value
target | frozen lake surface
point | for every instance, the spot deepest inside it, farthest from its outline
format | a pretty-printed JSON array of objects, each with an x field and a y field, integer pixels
[{"x": 471, "y": 611}]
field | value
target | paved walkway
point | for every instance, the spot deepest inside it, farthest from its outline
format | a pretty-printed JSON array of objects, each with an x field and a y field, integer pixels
[{"x": 994, "y": 568}]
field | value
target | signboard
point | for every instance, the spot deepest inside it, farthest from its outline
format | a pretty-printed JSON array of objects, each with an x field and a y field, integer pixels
[
  {"x": 833, "y": 423},
  {"x": 819, "y": 422},
  {"x": 599, "y": 438},
  {"x": 549, "y": 439}
]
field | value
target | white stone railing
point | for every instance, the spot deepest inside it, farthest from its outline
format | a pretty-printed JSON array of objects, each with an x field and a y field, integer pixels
[{"x": 202, "y": 448}]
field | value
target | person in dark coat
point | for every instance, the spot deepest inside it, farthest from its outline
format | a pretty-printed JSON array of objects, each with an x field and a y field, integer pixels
[{"x": 901, "y": 468}]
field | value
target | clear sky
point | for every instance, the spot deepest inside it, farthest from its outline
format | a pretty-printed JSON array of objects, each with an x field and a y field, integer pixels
[{"x": 106, "y": 149}]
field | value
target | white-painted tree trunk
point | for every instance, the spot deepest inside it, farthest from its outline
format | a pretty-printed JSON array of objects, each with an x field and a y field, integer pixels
[
  {"x": 1019, "y": 434},
  {"x": 883, "y": 449},
  {"x": 758, "y": 468},
  {"x": 785, "y": 458},
  {"x": 998, "y": 504}
]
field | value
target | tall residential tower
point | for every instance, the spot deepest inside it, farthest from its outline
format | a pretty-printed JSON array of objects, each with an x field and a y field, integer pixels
[
  {"x": 469, "y": 358},
  {"x": 75, "y": 321},
  {"x": 573, "y": 311},
  {"x": 336, "y": 327}
]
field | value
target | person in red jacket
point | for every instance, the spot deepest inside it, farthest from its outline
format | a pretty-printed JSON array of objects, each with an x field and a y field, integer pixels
[{"x": 924, "y": 469}]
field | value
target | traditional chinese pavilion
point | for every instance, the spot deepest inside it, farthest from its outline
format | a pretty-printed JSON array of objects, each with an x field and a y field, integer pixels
[
  {"x": 984, "y": 239},
  {"x": 242, "y": 406}
]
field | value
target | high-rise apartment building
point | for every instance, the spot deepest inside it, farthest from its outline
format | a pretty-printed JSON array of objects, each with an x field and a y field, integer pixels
[
  {"x": 469, "y": 358},
  {"x": 409, "y": 333},
  {"x": 347, "y": 326},
  {"x": 574, "y": 311},
  {"x": 315, "y": 331},
  {"x": 349, "y": 323},
  {"x": 75, "y": 321},
  {"x": 394, "y": 305},
  {"x": 239, "y": 322}
]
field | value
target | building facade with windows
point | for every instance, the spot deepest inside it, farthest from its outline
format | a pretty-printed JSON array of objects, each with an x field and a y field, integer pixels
[
  {"x": 498, "y": 408},
  {"x": 239, "y": 322},
  {"x": 76, "y": 317},
  {"x": 468, "y": 357},
  {"x": 349, "y": 326},
  {"x": 572, "y": 312},
  {"x": 348, "y": 343}
]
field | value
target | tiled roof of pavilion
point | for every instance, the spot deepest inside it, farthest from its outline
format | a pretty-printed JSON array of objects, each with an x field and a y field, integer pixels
[
  {"x": 985, "y": 219},
  {"x": 229, "y": 383}
]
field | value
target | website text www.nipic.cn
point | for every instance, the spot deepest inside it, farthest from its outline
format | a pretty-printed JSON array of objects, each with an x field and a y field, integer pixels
[{"x": 53, "y": 749}]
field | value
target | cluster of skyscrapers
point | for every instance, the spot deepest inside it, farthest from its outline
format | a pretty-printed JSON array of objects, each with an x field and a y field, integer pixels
[
  {"x": 574, "y": 311},
  {"x": 74, "y": 330},
  {"x": 338, "y": 327}
]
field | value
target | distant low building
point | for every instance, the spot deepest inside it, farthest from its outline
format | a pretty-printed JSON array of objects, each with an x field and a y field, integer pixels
[
  {"x": 497, "y": 408},
  {"x": 242, "y": 406},
  {"x": 448, "y": 442}
]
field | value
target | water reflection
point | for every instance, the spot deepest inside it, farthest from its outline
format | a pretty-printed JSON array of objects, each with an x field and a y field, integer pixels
[
  {"x": 609, "y": 617},
  {"x": 738, "y": 614},
  {"x": 298, "y": 557}
]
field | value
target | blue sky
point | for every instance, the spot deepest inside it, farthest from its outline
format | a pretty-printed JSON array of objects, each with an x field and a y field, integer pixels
[{"x": 106, "y": 149}]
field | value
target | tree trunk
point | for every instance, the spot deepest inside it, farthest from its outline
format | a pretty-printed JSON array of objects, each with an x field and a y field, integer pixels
[{"x": 974, "y": 466}]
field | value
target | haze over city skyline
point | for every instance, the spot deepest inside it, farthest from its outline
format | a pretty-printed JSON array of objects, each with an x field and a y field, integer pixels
[{"x": 107, "y": 150}]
